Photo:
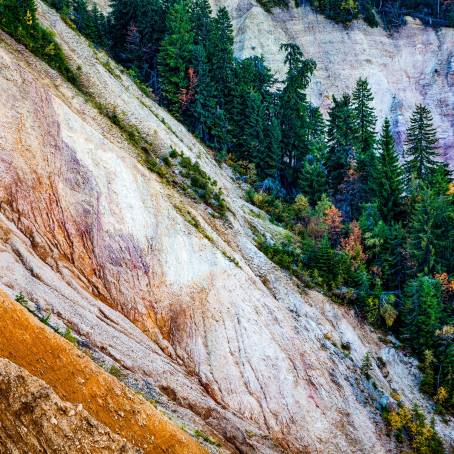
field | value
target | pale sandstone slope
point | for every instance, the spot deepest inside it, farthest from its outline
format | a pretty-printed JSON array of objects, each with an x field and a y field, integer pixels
[
  {"x": 90, "y": 234},
  {"x": 414, "y": 65}
]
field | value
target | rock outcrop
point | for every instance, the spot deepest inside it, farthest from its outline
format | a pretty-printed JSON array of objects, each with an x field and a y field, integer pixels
[
  {"x": 413, "y": 65},
  {"x": 89, "y": 234},
  {"x": 34, "y": 419},
  {"x": 97, "y": 414}
]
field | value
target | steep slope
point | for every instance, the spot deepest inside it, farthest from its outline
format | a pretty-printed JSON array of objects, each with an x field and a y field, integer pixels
[
  {"x": 98, "y": 405},
  {"x": 92, "y": 236},
  {"x": 414, "y": 65},
  {"x": 34, "y": 419}
]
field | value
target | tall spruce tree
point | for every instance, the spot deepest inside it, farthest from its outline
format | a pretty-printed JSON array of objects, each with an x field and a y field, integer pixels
[
  {"x": 294, "y": 114},
  {"x": 220, "y": 56},
  {"x": 430, "y": 232},
  {"x": 387, "y": 181},
  {"x": 421, "y": 145},
  {"x": 341, "y": 137},
  {"x": 313, "y": 179},
  {"x": 249, "y": 74},
  {"x": 324, "y": 260},
  {"x": 421, "y": 313},
  {"x": 201, "y": 21},
  {"x": 269, "y": 166},
  {"x": 202, "y": 108},
  {"x": 254, "y": 128},
  {"x": 175, "y": 56},
  {"x": 123, "y": 14},
  {"x": 365, "y": 120}
]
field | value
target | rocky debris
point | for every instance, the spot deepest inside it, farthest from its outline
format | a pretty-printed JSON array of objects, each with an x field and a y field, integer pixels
[{"x": 34, "y": 419}]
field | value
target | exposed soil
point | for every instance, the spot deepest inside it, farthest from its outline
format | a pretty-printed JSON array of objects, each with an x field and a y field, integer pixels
[{"x": 76, "y": 379}]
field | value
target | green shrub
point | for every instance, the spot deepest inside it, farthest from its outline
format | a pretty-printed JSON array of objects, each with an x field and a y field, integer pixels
[
  {"x": 267, "y": 5},
  {"x": 412, "y": 430},
  {"x": 206, "y": 438},
  {"x": 202, "y": 187},
  {"x": 115, "y": 371},
  {"x": 20, "y": 298},
  {"x": 69, "y": 336},
  {"x": 18, "y": 19}
]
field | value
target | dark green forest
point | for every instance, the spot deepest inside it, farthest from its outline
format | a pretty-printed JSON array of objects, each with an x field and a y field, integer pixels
[{"x": 368, "y": 223}]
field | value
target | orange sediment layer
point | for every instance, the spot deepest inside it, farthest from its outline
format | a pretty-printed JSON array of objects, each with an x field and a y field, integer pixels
[{"x": 25, "y": 341}]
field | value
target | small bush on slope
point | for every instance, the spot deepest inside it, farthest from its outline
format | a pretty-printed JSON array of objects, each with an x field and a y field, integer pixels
[{"x": 18, "y": 19}]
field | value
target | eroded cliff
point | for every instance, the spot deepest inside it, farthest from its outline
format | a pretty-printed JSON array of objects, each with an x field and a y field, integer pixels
[
  {"x": 412, "y": 65},
  {"x": 89, "y": 234}
]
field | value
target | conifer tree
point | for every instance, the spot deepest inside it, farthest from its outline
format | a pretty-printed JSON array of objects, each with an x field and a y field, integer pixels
[
  {"x": 365, "y": 120},
  {"x": 175, "y": 56},
  {"x": 62, "y": 6},
  {"x": 18, "y": 15},
  {"x": 294, "y": 113},
  {"x": 249, "y": 74},
  {"x": 254, "y": 128},
  {"x": 421, "y": 145},
  {"x": 341, "y": 137},
  {"x": 151, "y": 24},
  {"x": 220, "y": 55},
  {"x": 440, "y": 179},
  {"x": 270, "y": 163},
  {"x": 202, "y": 110},
  {"x": 123, "y": 14},
  {"x": 201, "y": 20},
  {"x": 81, "y": 17},
  {"x": 393, "y": 256},
  {"x": 313, "y": 179},
  {"x": 324, "y": 260},
  {"x": 421, "y": 313},
  {"x": 429, "y": 232},
  {"x": 388, "y": 184}
]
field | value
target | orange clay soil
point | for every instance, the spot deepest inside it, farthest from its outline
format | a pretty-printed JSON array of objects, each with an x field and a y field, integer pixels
[{"x": 27, "y": 342}]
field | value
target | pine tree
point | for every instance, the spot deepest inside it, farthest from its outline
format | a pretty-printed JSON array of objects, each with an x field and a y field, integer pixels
[
  {"x": 427, "y": 380},
  {"x": 62, "y": 6},
  {"x": 324, "y": 260},
  {"x": 202, "y": 111},
  {"x": 270, "y": 164},
  {"x": 82, "y": 19},
  {"x": 175, "y": 56},
  {"x": 429, "y": 232},
  {"x": 366, "y": 365},
  {"x": 422, "y": 311},
  {"x": 220, "y": 55},
  {"x": 393, "y": 256},
  {"x": 201, "y": 21},
  {"x": 18, "y": 16},
  {"x": 313, "y": 181},
  {"x": 253, "y": 129},
  {"x": 341, "y": 137},
  {"x": 151, "y": 25},
  {"x": 365, "y": 120},
  {"x": 421, "y": 145},
  {"x": 294, "y": 114},
  {"x": 249, "y": 74},
  {"x": 440, "y": 179},
  {"x": 123, "y": 14},
  {"x": 387, "y": 181}
]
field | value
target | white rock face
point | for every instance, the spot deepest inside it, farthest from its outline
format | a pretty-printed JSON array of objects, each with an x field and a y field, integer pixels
[
  {"x": 414, "y": 65},
  {"x": 88, "y": 233}
]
